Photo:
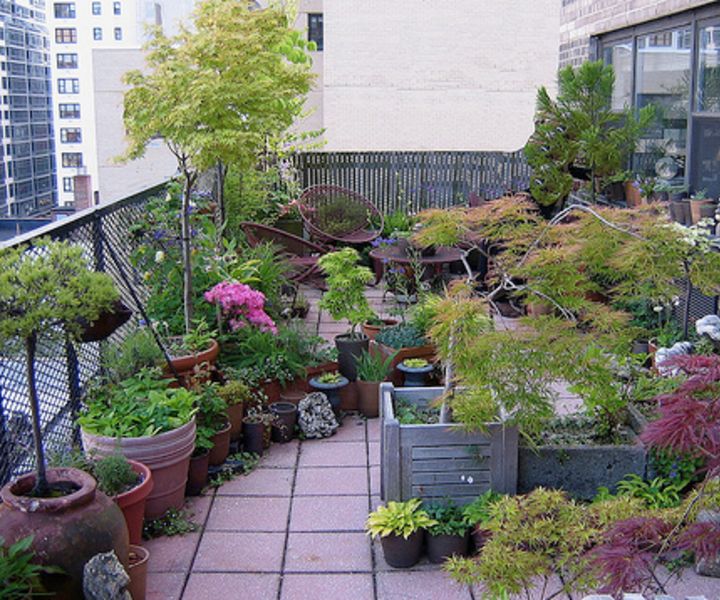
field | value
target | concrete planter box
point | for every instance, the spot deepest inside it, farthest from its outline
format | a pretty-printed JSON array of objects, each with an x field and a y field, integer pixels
[
  {"x": 579, "y": 470},
  {"x": 441, "y": 461}
]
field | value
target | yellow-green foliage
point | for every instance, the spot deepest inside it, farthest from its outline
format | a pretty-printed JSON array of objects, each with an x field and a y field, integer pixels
[{"x": 398, "y": 518}]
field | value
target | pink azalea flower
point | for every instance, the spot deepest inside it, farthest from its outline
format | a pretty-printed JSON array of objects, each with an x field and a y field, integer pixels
[{"x": 241, "y": 305}]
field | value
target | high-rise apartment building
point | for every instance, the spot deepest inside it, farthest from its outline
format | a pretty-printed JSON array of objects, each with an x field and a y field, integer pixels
[
  {"x": 27, "y": 184},
  {"x": 93, "y": 44}
]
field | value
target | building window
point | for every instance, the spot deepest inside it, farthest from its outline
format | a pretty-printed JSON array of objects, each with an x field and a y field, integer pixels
[
  {"x": 97, "y": 33},
  {"x": 69, "y": 111},
  {"x": 68, "y": 86},
  {"x": 70, "y": 135},
  {"x": 64, "y": 10},
  {"x": 66, "y": 35},
  {"x": 116, "y": 8},
  {"x": 72, "y": 159},
  {"x": 68, "y": 184},
  {"x": 315, "y": 29},
  {"x": 118, "y": 33},
  {"x": 67, "y": 61},
  {"x": 96, "y": 8}
]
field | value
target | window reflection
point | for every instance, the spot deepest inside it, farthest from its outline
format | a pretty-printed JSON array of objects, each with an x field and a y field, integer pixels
[
  {"x": 620, "y": 57},
  {"x": 708, "y": 70}
]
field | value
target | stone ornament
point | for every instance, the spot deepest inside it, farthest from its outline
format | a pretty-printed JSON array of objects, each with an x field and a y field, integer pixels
[
  {"x": 104, "y": 578},
  {"x": 709, "y": 325},
  {"x": 316, "y": 417}
]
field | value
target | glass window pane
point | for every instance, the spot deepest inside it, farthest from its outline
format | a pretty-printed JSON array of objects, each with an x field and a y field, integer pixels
[
  {"x": 619, "y": 55},
  {"x": 663, "y": 80},
  {"x": 708, "y": 69}
]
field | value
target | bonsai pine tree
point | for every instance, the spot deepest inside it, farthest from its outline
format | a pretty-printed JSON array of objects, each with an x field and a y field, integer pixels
[
  {"x": 345, "y": 298},
  {"x": 43, "y": 288}
]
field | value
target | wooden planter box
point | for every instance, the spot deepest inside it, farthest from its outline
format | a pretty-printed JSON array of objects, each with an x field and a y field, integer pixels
[
  {"x": 441, "y": 461},
  {"x": 427, "y": 352}
]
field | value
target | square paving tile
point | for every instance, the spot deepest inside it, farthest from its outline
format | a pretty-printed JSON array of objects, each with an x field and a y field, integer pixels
[
  {"x": 241, "y": 513},
  {"x": 374, "y": 453},
  {"x": 197, "y": 507},
  {"x": 352, "y": 430},
  {"x": 328, "y": 552},
  {"x": 260, "y": 482},
  {"x": 172, "y": 553},
  {"x": 248, "y": 586},
  {"x": 419, "y": 585},
  {"x": 373, "y": 430},
  {"x": 380, "y": 565},
  {"x": 280, "y": 455},
  {"x": 164, "y": 586},
  {"x": 333, "y": 454},
  {"x": 374, "y": 480},
  {"x": 327, "y": 587},
  {"x": 312, "y": 481},
  {"x": 239, "y": 551},
  {"x": 329, "y": 513}
]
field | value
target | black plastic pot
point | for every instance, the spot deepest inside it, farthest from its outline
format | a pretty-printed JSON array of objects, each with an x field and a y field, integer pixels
[
  {"x": 283, "y": 428},
  {"x": 441, "y": 547},
  {"x": 253, "y": 437},
  {"x": 350, "y": 349},
  {"x": 402, "y": 553}
]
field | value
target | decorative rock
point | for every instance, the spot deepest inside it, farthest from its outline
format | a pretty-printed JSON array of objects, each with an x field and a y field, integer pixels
[
  {"x": 709, "y": 325},
  {"x": 104, "y": 578},
  {"x": 663, "y": 354},
  {"x": 316, "y": 417}
]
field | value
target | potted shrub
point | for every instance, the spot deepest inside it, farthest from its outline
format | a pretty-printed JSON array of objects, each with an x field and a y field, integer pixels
[
  {"x": 415, "y": 370},
  {"x": 146, "y": 420},
  {"x": 400, "y": 527},
  {"x": 234, "y": 393},
  {"x": 477, "y": 514},
  {"x": 43, "y": 289},
  {"x": 372, "y": 369},
  {"x": 450, "y": 534},
  {"x": 374, "y": 324},
  {"x": 345, "y": 299},
  {"x": 330, "y": 384}
]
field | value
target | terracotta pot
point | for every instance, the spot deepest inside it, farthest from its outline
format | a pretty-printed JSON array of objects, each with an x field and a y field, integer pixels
[
  {"x": 138, "y": 571},
  {"x": 368, "y": 398},
  {"x": 283, "y": 428},
  {"x": 441, "y": 547},
  {"x": 185, "y": 365},
  {"x": 349, "y": 351},
  {"x": 328, "y": 367},
  {"x": 67, "y": 531},
  {"x": 235, "y": 416},
  {"x": 253, "y": 434},
  {"x": 107, "y": 323},
  {"x": 293, "y": 396},
  {"x": 680, "y": 211},
  {"x": 349, "y": 397},
  {"x": 221, "y": 446},
  {"x": 372, "y": 330},
  {"x": 197, "y": 473},
  {"x": 272, "y": 390},
  {"x": 633, "y": 195},
  {"x": 167, "y": 455},
  {"x": 702, "y": 209},
  {"x": 132, "y": 502},
  {"x": 402, "y": 553}
]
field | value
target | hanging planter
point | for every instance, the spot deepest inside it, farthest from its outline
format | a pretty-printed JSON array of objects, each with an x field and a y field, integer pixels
[{"x": 106, "y": 324}]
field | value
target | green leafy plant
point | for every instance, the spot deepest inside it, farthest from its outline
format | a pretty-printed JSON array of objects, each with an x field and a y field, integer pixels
[
  {"x": 373, "y": 367},
  {"x": 211, "y": 407},
  {"x": 143, "y": 405},
  {"x": 330, "y": 378},
  {"x": 241, "y": 463},
  {"x": 657, "y": 493},
  {"x": 47, "y": 288},
  {"x": 398, "y": 518},
  {"x": 173, "y": 522},
  {"x": 479, "y": 510},
  {"x": 346, "y": 281},
  {"x": 137, "y": 351},
  {"x": 114, "y": 474},
  {"x": 401, "y": 336},
  {"x": 233, "y": 392},
  {"x": 410, "y": 413},
  {"x": 449, "y": 519},
  {"x": 19, "y": 576},
  {"x": 199, "y": 338},
  {"x": 415, "y": 363}
]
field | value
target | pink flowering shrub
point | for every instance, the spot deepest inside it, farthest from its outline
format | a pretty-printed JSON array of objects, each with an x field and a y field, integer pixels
[{"x": 241, "y": 305}]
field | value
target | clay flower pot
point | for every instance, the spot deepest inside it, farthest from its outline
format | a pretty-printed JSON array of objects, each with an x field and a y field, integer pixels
[
  {"x": 132, "y": 502},
  {"x": 185, "y": 365},
  {"x": 221, "y": 446},
  {"x": 235, "y": 416},
  {"x": 368, "y": 398},
  {"x": 67, "y": 530},
  {"x": 402, "y": 553},
  {"x": 372, "y": 330},
  {"x": 197, "y": 473},
  {"x": 138, "y": 570},
  {"x": 166, "y": 454}
]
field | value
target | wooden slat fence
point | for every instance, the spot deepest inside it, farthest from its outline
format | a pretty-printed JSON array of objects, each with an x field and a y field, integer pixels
[{"x": 413, "y": 181}]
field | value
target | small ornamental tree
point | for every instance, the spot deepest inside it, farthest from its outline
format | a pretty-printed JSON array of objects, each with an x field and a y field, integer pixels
[
  {"x": 346, "y": 280},
  {"x": 43, "y": 288}
]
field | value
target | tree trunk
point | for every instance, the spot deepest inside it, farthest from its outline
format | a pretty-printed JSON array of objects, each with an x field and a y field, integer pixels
[
  {"x": 445, "y": 411},
  {"x": 686, "y": 308},
  {"x": 187, "y": 253},
  {"x": 41, "y": 488},
  {"x": 220, "y": 172}
]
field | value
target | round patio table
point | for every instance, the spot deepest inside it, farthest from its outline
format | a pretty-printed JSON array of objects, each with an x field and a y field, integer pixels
[{"x": 398, "y": 255}]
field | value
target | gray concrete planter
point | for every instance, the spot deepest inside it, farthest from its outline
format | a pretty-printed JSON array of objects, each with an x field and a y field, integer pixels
[{"x": 441, "y": 461}]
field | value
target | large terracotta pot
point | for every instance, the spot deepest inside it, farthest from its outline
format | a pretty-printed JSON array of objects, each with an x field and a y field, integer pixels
[
  {"x": 138, "y": 571},
  {"x": 185, "y": 365},
  {"x": 221, "y": 446},
  {"x": 132, "y": 502},
  {"x": 368, "y": 398},
  {"x": 167, "y": 455},
  {"x": 372, "y": 330},
  {"x": 702, "y": 209},
  {"x": 67, "y": 531},
  {"x": 235, "y": 414}
]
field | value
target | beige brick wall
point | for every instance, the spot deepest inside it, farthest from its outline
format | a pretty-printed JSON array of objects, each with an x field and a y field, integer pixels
[
  {"x": 581, "y": 19},
  {"x": 428, "y": 75}
]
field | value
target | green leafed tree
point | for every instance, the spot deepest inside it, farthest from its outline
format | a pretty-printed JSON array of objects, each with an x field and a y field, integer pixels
[
  {"x": 580, "y": 128},
  {"x": 216, "y": 93}
]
